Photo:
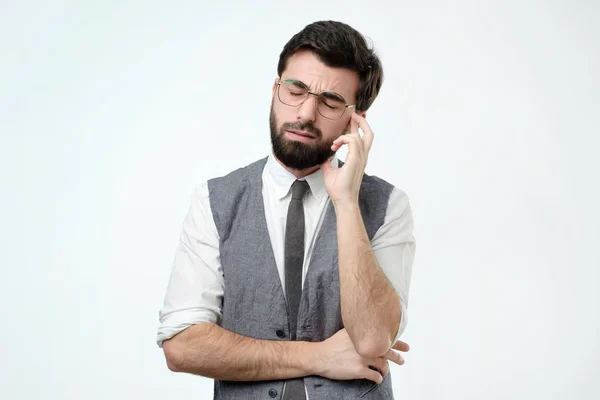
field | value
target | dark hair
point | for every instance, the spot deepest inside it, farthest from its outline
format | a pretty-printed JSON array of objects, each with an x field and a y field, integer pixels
[{"x": 338, "y": 45}]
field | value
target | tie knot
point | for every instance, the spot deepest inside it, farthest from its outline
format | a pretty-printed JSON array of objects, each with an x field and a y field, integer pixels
[{"x": 299, "y": 189}]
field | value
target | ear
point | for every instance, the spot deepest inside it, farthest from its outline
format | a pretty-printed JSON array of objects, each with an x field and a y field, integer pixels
[
  {"x": 275, "y": 82},
  {"x": 363, "y": 114}
]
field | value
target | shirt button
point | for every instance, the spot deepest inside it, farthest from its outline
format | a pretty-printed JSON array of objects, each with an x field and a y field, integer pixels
[
  {"x": 280, "y": 333},
  {"x": 272, "y": 392}
]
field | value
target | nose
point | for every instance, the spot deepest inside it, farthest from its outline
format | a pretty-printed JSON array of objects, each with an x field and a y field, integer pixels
[{"x": 307, "y": 112}]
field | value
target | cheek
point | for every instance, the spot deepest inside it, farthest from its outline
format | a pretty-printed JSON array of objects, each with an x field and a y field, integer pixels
[
  {"x": 284, "y": 113},
  {"x": 334, "y": 130}
]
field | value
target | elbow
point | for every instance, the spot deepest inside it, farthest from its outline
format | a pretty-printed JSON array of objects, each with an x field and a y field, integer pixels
[
  {"x": 173, "y": 356},
  {"x": 373, "y": 347},
  {"x": 375, "y": 343}
]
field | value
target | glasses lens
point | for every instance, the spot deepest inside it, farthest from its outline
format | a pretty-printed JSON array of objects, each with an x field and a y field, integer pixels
[
  {"x": 331, "y": 105},
  {"x": 291, "y": 93}
]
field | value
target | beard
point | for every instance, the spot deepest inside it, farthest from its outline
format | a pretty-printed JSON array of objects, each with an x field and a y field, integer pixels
[{"x": 298, "y": 155}]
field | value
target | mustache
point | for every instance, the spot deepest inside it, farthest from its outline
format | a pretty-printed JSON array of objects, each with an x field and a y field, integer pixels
[{"x": 301, "y": 126}]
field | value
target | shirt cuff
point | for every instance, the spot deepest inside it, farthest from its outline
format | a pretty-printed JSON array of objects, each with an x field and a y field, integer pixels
[{"x": 173, "y": 323}]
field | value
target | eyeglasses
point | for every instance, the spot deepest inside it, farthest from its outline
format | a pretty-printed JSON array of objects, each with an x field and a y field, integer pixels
[{"x": 293, "y": 93}]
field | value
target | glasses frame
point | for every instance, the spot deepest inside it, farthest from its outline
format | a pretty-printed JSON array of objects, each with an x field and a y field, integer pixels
[{"x": 317, "y": 95}]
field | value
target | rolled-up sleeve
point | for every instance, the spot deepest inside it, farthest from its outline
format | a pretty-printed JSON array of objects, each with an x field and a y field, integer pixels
[
  {"x": 195, "y": 289},
  {"x": 394, "y": 247}
]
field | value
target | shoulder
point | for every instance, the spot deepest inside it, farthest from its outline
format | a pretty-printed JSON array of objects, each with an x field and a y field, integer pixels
[
  {"x": 375, "y": 191},
  {"x": 395, "y": 195},
  {"x": 226, "y": 193},
  {"x": 237, "y": 176},
  {"x": 373, "y": 182},
  {"x": 381, "y": 194}
]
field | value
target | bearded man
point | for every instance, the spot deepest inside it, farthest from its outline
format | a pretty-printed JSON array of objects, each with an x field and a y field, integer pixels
[{"x": 292, "y": 274}]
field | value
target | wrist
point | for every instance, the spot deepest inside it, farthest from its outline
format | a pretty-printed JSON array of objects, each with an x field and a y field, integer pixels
[
  {"x": 310, "y": 356},
  {"x": 346, "y": 205}
]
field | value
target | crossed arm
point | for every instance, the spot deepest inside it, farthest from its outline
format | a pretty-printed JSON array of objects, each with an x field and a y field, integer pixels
[{"x": 206, "y": 349}]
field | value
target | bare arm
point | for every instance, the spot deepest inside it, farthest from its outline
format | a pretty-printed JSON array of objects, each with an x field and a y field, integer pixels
[
  {"x": 207, "y": 349},
  {"x": 370, "y": 306},
  {"x": 211, "y": 351}
]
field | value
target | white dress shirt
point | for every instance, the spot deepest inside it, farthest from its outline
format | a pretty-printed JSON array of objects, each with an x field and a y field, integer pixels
[{"x": 195, "y": 288}]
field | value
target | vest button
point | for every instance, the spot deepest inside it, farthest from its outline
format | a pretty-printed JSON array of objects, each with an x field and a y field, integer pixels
[
  {"x": 272, "y": 392},
  {"x": 280, "y": 333}
]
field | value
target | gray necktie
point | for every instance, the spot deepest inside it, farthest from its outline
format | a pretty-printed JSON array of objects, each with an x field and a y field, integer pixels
[{"x": 294, "y": 259}]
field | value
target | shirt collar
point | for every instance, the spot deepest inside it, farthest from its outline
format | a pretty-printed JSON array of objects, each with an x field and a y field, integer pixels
[{"x": 283, "y": 179}]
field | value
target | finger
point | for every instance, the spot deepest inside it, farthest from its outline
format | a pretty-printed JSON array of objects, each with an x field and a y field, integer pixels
[
  {"x": 368, "y": 134},
  {"x": 401, "y": 346},
  {"x": 335, "y": 146},
  {"x": 386, "y": 368},
  {"x": 394, "y": 357},
  {"x": 381, "y": 364},
  {"x": 372, "y": 375},
  {"x": 353, "y": 125},
  {"x": 353, "y": 141},
  {"x": 349, "y": 136}
]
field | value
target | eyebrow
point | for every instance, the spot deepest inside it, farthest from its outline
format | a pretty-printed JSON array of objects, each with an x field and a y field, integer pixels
[
  {"x": 298, "y": 83},
  {"x": 327, "y": 94},
  {"x": 333, "y": 96}
]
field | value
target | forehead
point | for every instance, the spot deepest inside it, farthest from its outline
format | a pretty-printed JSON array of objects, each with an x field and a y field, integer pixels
[{"x": 305, "y": 66}]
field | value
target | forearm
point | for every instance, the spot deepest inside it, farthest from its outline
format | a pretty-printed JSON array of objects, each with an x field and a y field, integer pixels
[
  {"x": 207, "y": 349},
  {"x": 370, "y": 306}
]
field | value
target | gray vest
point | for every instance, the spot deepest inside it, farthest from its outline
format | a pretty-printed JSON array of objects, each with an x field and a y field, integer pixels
[{"x": 254, "y": 303}]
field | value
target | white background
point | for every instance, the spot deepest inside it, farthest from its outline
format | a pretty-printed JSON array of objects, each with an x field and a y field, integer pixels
[{"x": 112, "y": 111}]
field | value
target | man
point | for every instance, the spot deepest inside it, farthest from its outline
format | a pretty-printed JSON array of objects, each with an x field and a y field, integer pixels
[{"x": 291, "y": 278}]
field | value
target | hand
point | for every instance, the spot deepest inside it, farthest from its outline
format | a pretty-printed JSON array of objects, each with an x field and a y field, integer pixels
[
  {"x": 338, "y": 359},
  {"x": 343, "y": 184}
]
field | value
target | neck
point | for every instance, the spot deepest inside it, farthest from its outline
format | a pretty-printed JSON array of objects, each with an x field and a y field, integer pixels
[{"x": 298, "y": 173}]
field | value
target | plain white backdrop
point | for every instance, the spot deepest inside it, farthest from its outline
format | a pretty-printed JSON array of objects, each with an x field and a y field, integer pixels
[{"x": 111, "y": 112}]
